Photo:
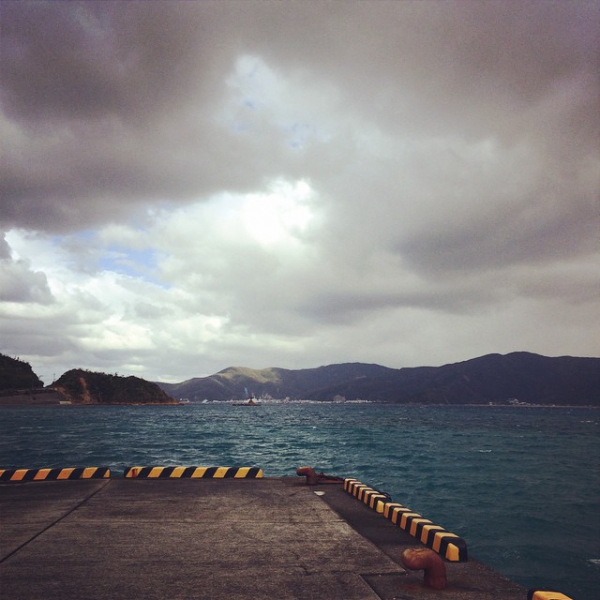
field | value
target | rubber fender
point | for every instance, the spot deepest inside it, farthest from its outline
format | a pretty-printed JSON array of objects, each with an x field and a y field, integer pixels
[{"x": 535, "y": 594}]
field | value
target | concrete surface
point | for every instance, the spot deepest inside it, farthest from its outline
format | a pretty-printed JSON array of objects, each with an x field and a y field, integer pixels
[{"x": 271, "y": 538}]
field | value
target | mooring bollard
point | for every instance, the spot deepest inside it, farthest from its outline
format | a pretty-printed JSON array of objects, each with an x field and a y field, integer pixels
[
  {"x": 433, "y": 566},
  {"x": 314, "y": 478},
  {"x": 309, "y": 473}
]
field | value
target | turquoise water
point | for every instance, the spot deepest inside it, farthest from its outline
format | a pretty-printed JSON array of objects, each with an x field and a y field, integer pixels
[{"x": 521, "y": 485}]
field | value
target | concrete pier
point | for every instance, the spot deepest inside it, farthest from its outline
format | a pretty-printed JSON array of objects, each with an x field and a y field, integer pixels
[{"x": 170, "y": 539}]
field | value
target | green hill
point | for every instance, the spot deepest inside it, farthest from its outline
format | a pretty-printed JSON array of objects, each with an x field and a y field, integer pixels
[
  {"x": 87, "y": 387},
  {"x": 16, "y": 374}
]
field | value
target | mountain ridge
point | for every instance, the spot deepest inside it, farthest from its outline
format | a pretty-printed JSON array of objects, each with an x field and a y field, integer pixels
[
  {"x": 514, "y": 378},
  {"x": 517, "y": 377}
]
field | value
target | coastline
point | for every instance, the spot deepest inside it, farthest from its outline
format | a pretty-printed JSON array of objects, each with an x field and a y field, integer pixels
[{"x": 55, "y": 398}]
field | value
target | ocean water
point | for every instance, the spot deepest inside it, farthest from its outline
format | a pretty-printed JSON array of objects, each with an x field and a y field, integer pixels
[{"x": 521, "y": 485}]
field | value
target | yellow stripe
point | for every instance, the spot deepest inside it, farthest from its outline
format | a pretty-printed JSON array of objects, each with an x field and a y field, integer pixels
[
  {"x": 368, "y": 498},
  {"x": 242, "y": 472},
  {"x": 391, "y": 507},
  {"x": 405, "y": 517},
  {"x": 177, "y": 472},
  {"x": 133, "y": 471},
  {"x": 349, "y": 481},
  {"x": 373, "y": 497},
  {"x": 360, "y": 491},
  {"x": 41, "y": 474},
  {"x": 64, "y": 473},
  {"x": 439, "y": 537},
  {"x": 221, "y": 472},
  {"x": 546, "y": 595},
  {"x": 415, "y": 522},
  {"x": 398, "y": 512},
  {"x": 88, "y": 472},
  {"x": 155, "y": 472},
  {"x": 376, "y": 501},
  {"x": 19, "y": 474},
  {"x": 453, "y": 553},
  {"x": 199, "y": 472},
  {"x": 426, "y": 529}
]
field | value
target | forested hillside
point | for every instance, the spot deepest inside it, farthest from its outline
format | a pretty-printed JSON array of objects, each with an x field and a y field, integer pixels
[{"x": 519, "y": 377}]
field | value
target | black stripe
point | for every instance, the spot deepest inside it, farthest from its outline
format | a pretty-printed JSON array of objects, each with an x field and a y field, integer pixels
[
  {"x": 253, "y": 472},
  {"x": 419, "y": 528},
  {"x": 210, "y": 472},
  {"x": 409, "y": 521},
  {"x": 431, "y": 536},
  {"x": 100, "y": 472},
  {"x": 379, "y": 500},
  {"x": 8, "y": 475},
  {"x": 188, "y": 471},
  {"x": 388, "y": 497},
  {"x": 166, "y": 472},
  {"x": 398, "y": 514}
]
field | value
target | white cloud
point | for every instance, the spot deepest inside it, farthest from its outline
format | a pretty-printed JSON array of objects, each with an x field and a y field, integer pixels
[{"x": 300, "y": 184}]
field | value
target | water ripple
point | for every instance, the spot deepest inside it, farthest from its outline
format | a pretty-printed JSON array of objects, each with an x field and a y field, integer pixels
[{"x": 516, "y": 483}]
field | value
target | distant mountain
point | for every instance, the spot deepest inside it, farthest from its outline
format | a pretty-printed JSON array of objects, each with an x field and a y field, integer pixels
[
  {"x": 87, "y": 387},
  {"x": 16, "y": 374},
  {"x": 519, "y": 377},
  {"x": 238, "y": 382}
]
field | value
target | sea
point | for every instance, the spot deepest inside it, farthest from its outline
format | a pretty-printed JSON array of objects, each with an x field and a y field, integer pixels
[{"x": 520, "y": 484}]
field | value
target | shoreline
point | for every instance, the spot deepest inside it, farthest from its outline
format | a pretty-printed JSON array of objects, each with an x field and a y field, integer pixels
[{"x": 12, "y": 402}]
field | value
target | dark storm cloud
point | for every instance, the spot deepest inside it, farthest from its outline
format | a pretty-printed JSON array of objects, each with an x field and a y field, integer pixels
[
  {"x": 112, "y": 104},
  {"x": 84, "y": 60},
  {"x": 97, "y": 100}
]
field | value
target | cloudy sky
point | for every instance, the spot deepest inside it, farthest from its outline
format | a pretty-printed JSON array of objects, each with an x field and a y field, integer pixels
[{"x": 187, "y": 186}]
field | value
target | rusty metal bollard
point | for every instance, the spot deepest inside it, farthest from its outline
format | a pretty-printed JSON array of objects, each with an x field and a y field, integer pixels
[
  {"x": 430, "y": 562},
  {"x": 309, "y": 473}
]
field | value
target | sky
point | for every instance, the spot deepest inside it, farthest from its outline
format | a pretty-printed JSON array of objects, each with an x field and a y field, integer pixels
[{"x": 188, "y": 186}]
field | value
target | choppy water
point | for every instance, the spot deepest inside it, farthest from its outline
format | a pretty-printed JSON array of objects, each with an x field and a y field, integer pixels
[{"x": 521, "y": 485}]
